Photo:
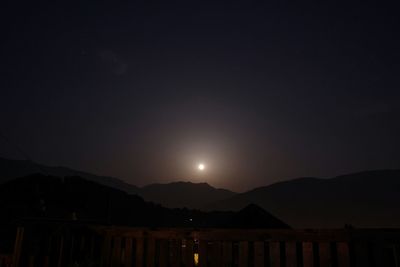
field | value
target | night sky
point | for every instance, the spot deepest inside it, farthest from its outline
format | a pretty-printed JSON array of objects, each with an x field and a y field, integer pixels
[{"x": 258, "y": 92}]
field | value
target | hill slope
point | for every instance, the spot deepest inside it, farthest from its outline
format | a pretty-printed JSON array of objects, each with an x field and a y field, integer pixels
[
  {"x": 365, "y": 199},
  {"x": 10, "y": 169},
  {"x": 184, "y": 194},
  {"x": 173, "y": 195},
  {"x": 39, "y": 197}
]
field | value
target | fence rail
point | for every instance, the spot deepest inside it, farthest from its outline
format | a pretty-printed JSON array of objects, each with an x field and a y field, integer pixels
[{"x": 89, "y": 245}]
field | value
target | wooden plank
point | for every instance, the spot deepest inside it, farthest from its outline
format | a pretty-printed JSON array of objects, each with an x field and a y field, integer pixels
[
  {"x": 343, "y": 254},
  {"x": 82, "y": 244},
  {"x": 61, "y": 250},
  {"x": 272, "y": 234},
  {"x": 175, "y": 252},
  {"x": 259, "y": 254},
  {"x": 139, "y": 252},
  {"x": 46, "y": 261},
  {"x": 257, "y": 234},
  {"x": 203, "y": 253},
  {"x": 189, "y": 253},
  {"x": 243, "y": 254},
  {"x": 163, "y": 258},
  {"x": 361, "y": 255},
  {"x": 291, "y": 254},
  {"x": 116, "y": 253},
  {"x": 51, "y": 249},
  {"x": 340, "y": 235},
  {"x": 105, "y": 255},
  {"x": 275, "y": 254},
  {"x": 397, "y": 255},
  {"x": 325, "y": 257},
  {"x": 128, "y": 252},
  {"x": 216, "y": 255},
  {"x": 151, "y": 252},
  {"x": 377, "y": 254},
  {"x": 31, "y": 261},
  {"x": 92, "y": 245},
  {"x": 308, "y": 254},
  {"x": 17, "y": 246},
  {"x": 227, "y": 254},
  {"x": 71, "y": 248}
]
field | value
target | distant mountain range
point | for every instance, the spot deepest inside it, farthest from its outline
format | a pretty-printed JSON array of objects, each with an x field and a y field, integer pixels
[
  {"x": 184, "y": 194},
  {"x": 10, "y": 169},
  {"x": 41, "y": 198},
  {"x": 173, "y": 195},
  {"x": 365, "y": 199}
]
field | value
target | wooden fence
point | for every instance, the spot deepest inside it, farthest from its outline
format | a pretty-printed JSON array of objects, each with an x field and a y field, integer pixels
[{"x": 87, "y": 245}]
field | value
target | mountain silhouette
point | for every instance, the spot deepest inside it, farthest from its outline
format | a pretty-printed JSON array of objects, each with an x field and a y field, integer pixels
[
  {"x": 40, "y": 197},
  {"x": 173, "y": 195},
  {"x": 184, "y": 194},
  {"x": 10, "y": 169},
  {"x": 364, "y": 199}
]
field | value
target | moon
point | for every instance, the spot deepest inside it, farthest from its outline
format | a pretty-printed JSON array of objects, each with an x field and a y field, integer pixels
[{"x": 201, "y": 167}]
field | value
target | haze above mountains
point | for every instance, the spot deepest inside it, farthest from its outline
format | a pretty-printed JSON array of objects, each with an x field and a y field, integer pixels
[{"x": 365, "y": 199}]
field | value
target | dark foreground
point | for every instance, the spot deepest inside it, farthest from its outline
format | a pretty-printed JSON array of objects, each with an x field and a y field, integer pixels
[{"x": 76, "y": 244}]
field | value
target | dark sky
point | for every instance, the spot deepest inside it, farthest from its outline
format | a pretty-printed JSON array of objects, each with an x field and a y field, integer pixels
[{"x": 259, "y": 92}]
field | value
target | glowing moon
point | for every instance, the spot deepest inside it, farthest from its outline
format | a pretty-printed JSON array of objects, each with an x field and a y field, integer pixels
[{"x": 201, "y": 167}]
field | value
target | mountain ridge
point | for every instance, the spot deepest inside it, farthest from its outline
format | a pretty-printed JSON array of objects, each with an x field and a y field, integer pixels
[
  {"x": 43, "y": 197},
  {"x": 365, "y": 199},
  {"x": 184, "y": 194},
  {"x": 10, "y": 169}
]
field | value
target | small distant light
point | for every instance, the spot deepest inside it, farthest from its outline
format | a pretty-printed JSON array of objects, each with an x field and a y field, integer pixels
[{"x": 191, "y": 219}]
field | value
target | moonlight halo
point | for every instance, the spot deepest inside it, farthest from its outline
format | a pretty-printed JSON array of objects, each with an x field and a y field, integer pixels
[{"x": 201, "y": 167}]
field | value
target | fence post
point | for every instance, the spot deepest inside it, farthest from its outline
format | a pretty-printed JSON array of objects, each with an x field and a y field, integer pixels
[
  {"x": 291, "y": 254},
  {"x": 227, "y": 254},
  {"x": 325, "y": 257},
  {"x": 151, "y": 252},
  {"x": 308, "y": 254},
  {"x": 139, "y": 251},
  {"x": 343, "y": 254},
  {"x": 189, "y": 253},
  {"x": 243, "y": 253},
  {"x": 17, "y": 246},
  {"x": 275, "y": 254},
  {"x": 203, "y": 253},
  {"x": 259, "y": 254}
]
